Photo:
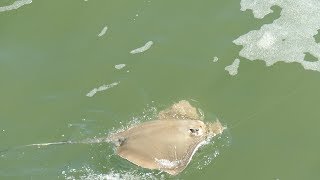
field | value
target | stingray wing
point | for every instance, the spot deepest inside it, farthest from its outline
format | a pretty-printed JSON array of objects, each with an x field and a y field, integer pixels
[
  {"x": 180, "y": 110},
  {"x": 164, "y": 145}
]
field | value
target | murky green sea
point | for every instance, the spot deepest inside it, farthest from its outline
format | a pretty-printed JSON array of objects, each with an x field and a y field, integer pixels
[{"x": 51, "y": 57}]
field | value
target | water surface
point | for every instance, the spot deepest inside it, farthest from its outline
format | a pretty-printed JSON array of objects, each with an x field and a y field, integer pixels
[{"x": 51, "y": 57}]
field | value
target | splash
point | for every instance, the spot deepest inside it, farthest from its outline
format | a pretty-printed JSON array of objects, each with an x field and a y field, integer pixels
[
  {"x": 141, "y": 9},
  {"x": 87, "y": 173},
  {"x": 15, "y": 5},
  {"x": 143, "y": 48},
  {"x": 233, "y": 68},
  {"x": 211, "y": 150},
  {"x": 289, "y": 38},
  {"x": 102, "y": 88},
  {"x": 149, "y": 113}
]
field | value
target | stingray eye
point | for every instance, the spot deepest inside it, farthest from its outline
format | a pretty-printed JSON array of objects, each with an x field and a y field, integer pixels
[{"x": 194, "y": 130}]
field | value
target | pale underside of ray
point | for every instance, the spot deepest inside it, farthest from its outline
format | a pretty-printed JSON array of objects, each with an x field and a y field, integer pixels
[{"x": 165, "y": 145}]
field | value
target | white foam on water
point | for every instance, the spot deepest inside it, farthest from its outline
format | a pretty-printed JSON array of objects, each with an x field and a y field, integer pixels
[
  {"x": 15, "y": 5},
  {"x": 215, "y": 59},
  {"x": 103, "y": 31},
  {"x": 266, "y": 41},
  {"x": 143, "y": 48},
  {"x": 120, "y": 66},
  {"x": 233, "y": 68},
  {"x": 288, "y": 38},
  {"x": 102, "y": 88}
]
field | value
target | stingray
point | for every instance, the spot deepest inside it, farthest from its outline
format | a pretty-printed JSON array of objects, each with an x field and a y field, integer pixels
[{"x": 167, "y": 143}]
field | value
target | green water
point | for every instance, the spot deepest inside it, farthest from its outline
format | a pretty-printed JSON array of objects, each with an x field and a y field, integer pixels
[{"x": 51, "y": 57}]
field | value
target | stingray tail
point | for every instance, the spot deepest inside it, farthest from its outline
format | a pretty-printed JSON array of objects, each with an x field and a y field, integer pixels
[
  {"x": 52, "y": 143},
  {"x": 86, "y": 141},
  {"x": 4, "y": 151}
]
